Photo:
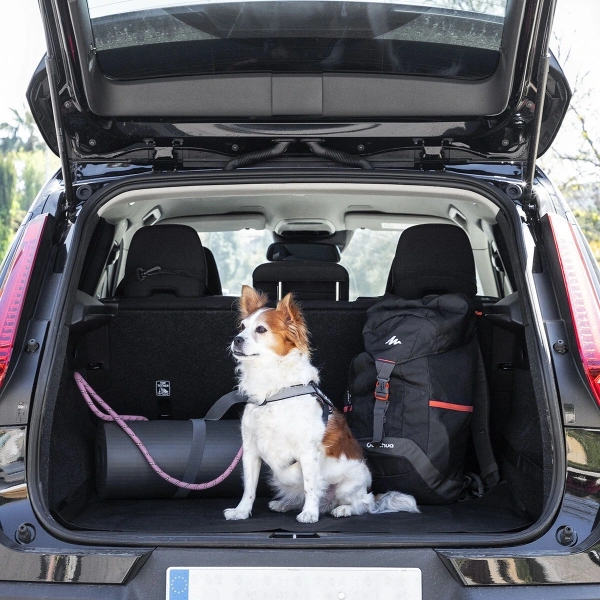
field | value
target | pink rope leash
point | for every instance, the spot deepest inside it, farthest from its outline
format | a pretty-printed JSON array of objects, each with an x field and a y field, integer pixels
[{"x": 90, "y": 396}]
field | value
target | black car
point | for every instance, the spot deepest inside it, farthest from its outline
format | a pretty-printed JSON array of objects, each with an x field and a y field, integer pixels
[{"x": 296, "y": 140}]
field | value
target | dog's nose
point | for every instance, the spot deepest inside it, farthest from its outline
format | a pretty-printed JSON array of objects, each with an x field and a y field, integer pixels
[{"x": 238, "y": 340}]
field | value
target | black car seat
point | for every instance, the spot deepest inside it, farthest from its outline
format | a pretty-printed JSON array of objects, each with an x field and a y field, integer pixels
[
  {"x": 433, "y": 259},
  {"x": 213, "y": 279},
  {"x": 165, "y": 259}
]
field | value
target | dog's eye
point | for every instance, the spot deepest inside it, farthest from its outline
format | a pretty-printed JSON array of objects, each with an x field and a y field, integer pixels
[
  {"x": 242, "y": 327},
  {"x": 260, "y": 329}
]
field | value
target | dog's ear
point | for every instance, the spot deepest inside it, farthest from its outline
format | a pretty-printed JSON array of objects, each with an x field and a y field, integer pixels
[
  {"x": 290, "y": 309},
  {"x": 296, "y": 326},
  {"x": 251, "y": 301}
]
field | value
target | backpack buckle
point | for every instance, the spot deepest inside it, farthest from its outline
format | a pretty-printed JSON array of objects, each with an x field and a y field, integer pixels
[{"x": 382, "y": 389}]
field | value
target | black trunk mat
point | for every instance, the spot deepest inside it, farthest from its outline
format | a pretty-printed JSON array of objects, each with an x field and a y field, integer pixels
[{"x": 497, "y": 511}]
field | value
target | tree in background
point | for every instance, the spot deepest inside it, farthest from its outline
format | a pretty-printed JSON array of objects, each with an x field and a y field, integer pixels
[
  {"x": 8, "y": 186},
  {"x": 20, "y": 133},
  {"x": 573, "y": 161},
  {"x": 25, "y": 164}
]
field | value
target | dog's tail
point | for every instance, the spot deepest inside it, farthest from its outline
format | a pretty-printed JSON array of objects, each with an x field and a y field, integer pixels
[{"x": 393, "y": 502}]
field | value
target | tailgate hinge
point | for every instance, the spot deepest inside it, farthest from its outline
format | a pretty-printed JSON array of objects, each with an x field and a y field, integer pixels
[
  {"x": 431, "y": 159},
  {"x": 166, "y": 158}
]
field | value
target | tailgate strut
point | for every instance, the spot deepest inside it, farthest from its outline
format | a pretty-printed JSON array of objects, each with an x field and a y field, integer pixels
[
  {"x": 529, "y": 199},
  {"x": 53, "y": 78}
]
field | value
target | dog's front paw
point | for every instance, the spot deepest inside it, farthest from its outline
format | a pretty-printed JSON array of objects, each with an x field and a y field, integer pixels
[
  {"x": 308, "y": 516},
  {"x": 234, "y": 514}
]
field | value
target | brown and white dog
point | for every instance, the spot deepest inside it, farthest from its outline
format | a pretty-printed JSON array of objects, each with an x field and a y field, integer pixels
[{"x": 316, "y": 467}]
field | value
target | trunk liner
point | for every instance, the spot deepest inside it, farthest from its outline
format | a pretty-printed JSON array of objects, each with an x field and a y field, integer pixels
[{"x": 497, "y": 511}]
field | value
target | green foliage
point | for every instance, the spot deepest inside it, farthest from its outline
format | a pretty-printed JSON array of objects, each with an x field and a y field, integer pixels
[
  {"x": 33, "y": 168},
  {"x": 584, "y": 198},
  {"x": 20, "y": 133},
  {"x": 8, "y": 194},
  {"x": 25, "y": 164},
  {"x": 8, "y": 184},
  {"x": 589, "y": 221}
]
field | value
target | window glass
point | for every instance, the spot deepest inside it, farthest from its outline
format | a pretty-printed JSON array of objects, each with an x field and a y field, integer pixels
[
  {"x": 237, "y": 254},
  {"x": 368, "y": 259},
  {"x": 444, "y": 38}
]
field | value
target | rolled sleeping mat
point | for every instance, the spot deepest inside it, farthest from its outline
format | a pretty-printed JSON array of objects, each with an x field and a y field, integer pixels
[{"x": 195, "y": 451}]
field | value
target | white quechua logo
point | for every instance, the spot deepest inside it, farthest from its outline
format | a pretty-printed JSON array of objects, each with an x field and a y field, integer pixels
[{"x": 393, "y": 341}]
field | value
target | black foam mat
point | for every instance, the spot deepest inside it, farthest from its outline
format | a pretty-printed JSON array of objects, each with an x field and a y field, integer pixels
[{"x": 497, "y": 511}]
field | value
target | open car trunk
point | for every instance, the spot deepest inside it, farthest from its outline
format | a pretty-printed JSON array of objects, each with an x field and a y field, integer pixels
[{"x": 127, "y": 348}]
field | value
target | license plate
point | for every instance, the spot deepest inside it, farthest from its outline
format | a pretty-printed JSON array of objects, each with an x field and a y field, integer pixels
[{"x": 282, "y": 583}]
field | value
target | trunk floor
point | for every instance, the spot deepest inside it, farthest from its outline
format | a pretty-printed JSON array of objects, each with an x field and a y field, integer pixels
[{"x": 497, "y": 511}]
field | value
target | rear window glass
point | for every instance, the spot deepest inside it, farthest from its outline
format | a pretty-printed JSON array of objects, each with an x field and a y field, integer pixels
[
  {"x": 135, "y": 39},
  {"x": 237, "y": 254},
  {"x": 368, "y": 259}
]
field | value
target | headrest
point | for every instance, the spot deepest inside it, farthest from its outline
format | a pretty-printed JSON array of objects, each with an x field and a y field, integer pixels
[
  {"x": 177, "y": 251},
  {"x": 433, "y": 259},
  {"x": 309, "y": 280},
  {"x": 298, "y": 251}
]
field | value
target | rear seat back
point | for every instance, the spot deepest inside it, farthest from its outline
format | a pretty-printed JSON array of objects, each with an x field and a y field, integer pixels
[
  {"x": 166, "y": 353},
  {"x": 170, "y": 358},
  {"x": 336, "y": 338},
  {"x": 154, "y": 347},
  {"x": 165, "y": 259},
  {"x": 213, "y": 279}
]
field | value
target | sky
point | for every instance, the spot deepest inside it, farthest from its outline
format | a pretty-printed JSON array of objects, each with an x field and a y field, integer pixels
[{"x": 22, "y": 45}]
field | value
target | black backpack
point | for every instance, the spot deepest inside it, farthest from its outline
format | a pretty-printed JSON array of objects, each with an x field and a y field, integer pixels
[{"x": 416, "y": 394}]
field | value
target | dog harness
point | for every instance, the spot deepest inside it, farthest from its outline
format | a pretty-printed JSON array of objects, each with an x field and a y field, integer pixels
[{"x": 301, "y": 390}]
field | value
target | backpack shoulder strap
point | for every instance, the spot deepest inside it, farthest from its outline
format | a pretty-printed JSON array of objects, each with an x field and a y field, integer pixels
[
  {"x": 480, "y": 428},
  {"x": 382, "y": 391}
]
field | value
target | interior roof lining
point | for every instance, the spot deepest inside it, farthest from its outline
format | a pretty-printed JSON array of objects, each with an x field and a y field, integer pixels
[{"x": 277, "y": 201}]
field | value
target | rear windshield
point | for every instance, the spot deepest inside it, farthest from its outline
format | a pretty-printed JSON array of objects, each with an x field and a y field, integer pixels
[
  {"x": 443, "y": 38},
  {"x": 237, "y": 254}
]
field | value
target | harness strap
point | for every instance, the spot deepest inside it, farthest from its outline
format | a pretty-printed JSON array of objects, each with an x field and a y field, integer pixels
[
  {"x": 302, "y": 390},
  {"x": 223, "y": 404},
  {"x": 382, "y": 388},
  {"x": 290, "y": 392}
]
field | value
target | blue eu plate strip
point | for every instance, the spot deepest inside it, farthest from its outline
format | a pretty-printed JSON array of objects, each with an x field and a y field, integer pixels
[{"x": 179, "y": 584}]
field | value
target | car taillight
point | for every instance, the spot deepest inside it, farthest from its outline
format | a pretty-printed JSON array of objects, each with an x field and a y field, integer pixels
[
  {"x": 12, "y": 294},
  {"x": 583, "y": 299}
]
